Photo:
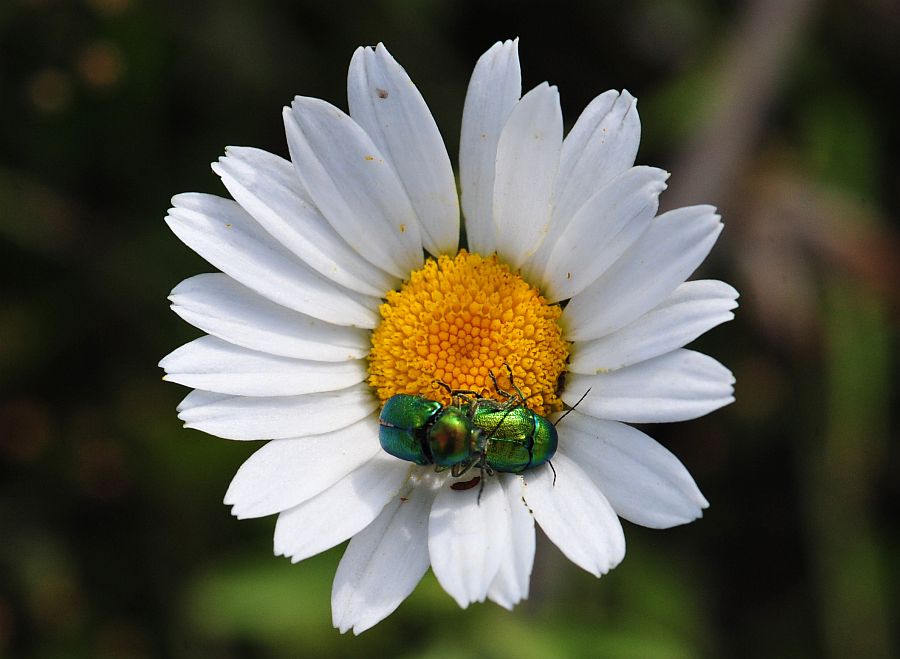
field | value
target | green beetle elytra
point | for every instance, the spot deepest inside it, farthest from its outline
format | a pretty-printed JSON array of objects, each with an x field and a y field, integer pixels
[{"x": 504, "y": 436}]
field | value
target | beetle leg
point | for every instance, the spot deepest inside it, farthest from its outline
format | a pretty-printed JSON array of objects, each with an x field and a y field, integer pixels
[
  {"x": 511, "y": 398},
  {"x": 460, "y": 468},
  {"x": 512, "y": 383},
  {"x": 464, "y": 393},
  {"x": 554, "y": 471},
  {"x": 442, "y": 385},
  {"x": 463, "y": 397},
  {"x": 485, "y": 469},
  {"x": 501, "y": 392}
]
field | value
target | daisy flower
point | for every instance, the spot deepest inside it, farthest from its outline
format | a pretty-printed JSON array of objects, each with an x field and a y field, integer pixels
[{"x": 347, "y": 277}]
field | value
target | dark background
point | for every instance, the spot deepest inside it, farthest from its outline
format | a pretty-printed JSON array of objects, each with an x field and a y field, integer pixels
[{"x": 113, "y": 538}]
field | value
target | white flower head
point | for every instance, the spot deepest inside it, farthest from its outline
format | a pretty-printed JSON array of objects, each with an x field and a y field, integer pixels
[{"x": 343, "y": 284}]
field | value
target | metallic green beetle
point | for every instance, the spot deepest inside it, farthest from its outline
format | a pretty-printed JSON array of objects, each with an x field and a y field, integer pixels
[
  {"x": 423, "y": 431},
  {"x": 513, "y": 438},
  {"x": 500, "y": 436}
]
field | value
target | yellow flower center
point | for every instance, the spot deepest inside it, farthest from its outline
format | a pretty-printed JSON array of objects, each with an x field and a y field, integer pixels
[{"x": 458, "y": 319}]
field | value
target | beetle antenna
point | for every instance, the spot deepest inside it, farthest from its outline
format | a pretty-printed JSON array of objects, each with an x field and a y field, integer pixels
[
  {"x": 455, "y": 392},
  {"x": 512, "y": 382},
  {"x": 443, "y": 385},
  {"x": 500, "y": 391},
  {"x": 568, "y": 411},
  {"x": 554, "y": 472}
]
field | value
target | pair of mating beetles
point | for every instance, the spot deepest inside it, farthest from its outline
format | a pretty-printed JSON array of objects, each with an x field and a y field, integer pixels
[{"x": 473, "y": 431}]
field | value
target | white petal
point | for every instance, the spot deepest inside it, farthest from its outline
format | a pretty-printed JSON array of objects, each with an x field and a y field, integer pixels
[
  {"x": 212, "y": 364},
  {"x": 287, "y": 472},
  {"x": 223, "y": 233},
  {"x": 677, "y": 386},
  {"x": 349, "y": 180},
  {"x": 220, "y": 306},
  {"x": 692, "y": 309},
  {"x": 642, "y": 480},
  {"x": 527, "y": 161},
  {"x": 607, "y": 225},
  {"x": 575, "y": 515},
  {"x": 601, "y": 145},
  {"x": 341, "y": 511},
  {"x": 667, "y": 253},
  {"x": 467, "y": 539},
  {"x": 277, "y": 417},
  {"x": 269, "y": 189},
  {"x": 385, "y": 102},
  {"x": 494, "y": 89},
  {"x": 383, "y": 563},
  {"x": 512, "y": 581}
]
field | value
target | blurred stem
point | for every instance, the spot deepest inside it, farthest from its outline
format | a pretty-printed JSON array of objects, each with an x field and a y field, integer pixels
[
  {"x": 752, "y": 67},
  {"x": 842, "y": 473}
]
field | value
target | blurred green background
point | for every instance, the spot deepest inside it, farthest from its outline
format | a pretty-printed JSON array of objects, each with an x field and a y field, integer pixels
[{"x": 784, "y": 113}]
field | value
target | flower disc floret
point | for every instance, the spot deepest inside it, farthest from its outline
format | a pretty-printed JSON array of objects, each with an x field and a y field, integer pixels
[{"x": 458, "y": 319}]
